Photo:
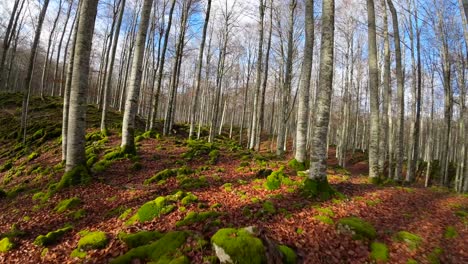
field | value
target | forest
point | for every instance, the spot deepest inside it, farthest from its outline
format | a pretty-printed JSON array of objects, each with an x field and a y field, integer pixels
[{"x": 234, "y": 131}]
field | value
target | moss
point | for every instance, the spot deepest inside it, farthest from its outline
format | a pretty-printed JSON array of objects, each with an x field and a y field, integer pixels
[
  {"x": 194, "y": 217},
  {"x": 189, "y": 198},
  {"x": 93, "y": 240},
  {"x": 273, "y": 181},
  {"x": 139, "y": 239},
  {"x": 67, "y": 204},
  {"x": 411, "y": 261},
  {"x": 269, "y": 207},
  {"x": 360, "y": 228},
  {"x": 6, "y": 245},
  {"x": 26, "y": 218},
  {"x": 44, "y": 252},
  {"x": 289, "y": 256},
  {"x": 227, "y": 187},
  {"x": 75, "y": 176},
  {"x": 136, "y": 166},
  {"x": 373, "y": 202},
  {"x": 450, "y": 232},
  {"x": 240, "y": 245},
  {"x": 263, "y": 173},
  {"x": 125, "y": 214},
  {"x": 434, "y": 256},
  {"x": 412, "y": 240},
  {"x": 6, "y": 166},
  {"x": 180, "y": 260},
  {"x": 33, "y": 156},
  {"x": 51, "y": 237},
  {"x": 214, "y": 156},
  {"x": 317, "y": 188},
  {"x": 76, "y": 215},
  {"x": 193, "y": 183},
  {"x": 102, "y": 165},
  {"x": 297, "y": 166},
  {"x": 162, "y": 249},
  {"x": 324, "y": 219},
  {"x": 76, "y": 253},
  {"x": 162, "y": 175},
  {"x": 325, "y": 211},
  {"x": 379, "y": 252},
  {"x": 244, "y": 164},
  {"x": 151, "y": 210},
  {"x": 461, "y": 213}
]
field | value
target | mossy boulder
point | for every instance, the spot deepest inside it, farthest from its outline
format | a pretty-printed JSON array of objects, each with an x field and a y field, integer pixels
[
  {"x": 317, "y": 188},
  {"x": 162, "y": 175},
  {"x": 379, "y": 252},
  {"x": 6, "y": 245},
  {"x": 51, "y": 237},
  {"x": 359, "y": 228},
  {"x": 189, "y": 198},
  {"x": 296, "y": 165},
  {"x": 67, "y": 204},
  {"x": 288, "y": 255},
  {"x": 238, "y": 246},
  {"x": 412, "y": 240},
  {"x": 151, "y": 210},
  {"x": 275, "y": 179},
  {"x": 164, "y": 250},
  {"x": 195, "y": 217},
  {"x": 92, "y": 240},
  {"x": 139, "y": 239}
]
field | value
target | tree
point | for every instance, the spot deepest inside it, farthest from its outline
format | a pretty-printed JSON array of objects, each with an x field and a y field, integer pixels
[
  {"x": 374, "y": 93},
  {"x": 76, "y": 157},
  {"x": 303, "y": 103},
  {"x": 128, "y": 126},
  {"x": 317, "y": 183}
]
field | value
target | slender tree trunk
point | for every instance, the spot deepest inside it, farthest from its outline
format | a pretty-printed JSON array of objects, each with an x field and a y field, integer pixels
[
  {"x": 318, "y": 162},
  {"x": 387, "y": 90},
  {"x": 79, "y": 86},
  {"x": 128, "y": 126},
  {"x": 303, "y": 104},
  {"x": 9, "y": 33}
]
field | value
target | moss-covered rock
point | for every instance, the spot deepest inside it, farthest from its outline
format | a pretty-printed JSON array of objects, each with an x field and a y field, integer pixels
[
  {"x": 51, "y": 237},
  {"x": 189, "y": 198},
  {"x": 275, "y": 179},
  {"x": 289, "y": 256},
  {"x": 358, "y": 227},
  {"x": 6, "y": 245},
  {"x": 324, "y": 219},
  {"x": 151, "y": 210},
  {"x": 379, "y": 252},
  {"x": 161, "y": 251},
  {"x": 67, "y": 204},
  {"x": 139, "y": 239},
  {"x": 317, "y": 188},
  {"x": 92, "y": 240},
  {"x": 412, "y": 240},
  {"x": 198, "y": 148},
  {"x": 298, "y": 166},
  {"x": 269, "y": 207},
  {"x": 238, "y": 246},
  {"x": 195, "y": 217},
  {"x": 162, "y": 175}
]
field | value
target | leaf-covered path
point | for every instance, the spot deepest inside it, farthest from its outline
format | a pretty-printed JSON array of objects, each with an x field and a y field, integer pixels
[{"x": 234, "y": 189}]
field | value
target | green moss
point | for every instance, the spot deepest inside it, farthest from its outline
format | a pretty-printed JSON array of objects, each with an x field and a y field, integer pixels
[
  {"x": 33, "y": 156},
  {"x": 324, "y": 219},
  {"x": 434, "y": 256},
  {"x": 189, "y": 198},
  {"x": 227, "y": 187},
  {"x": 76, "y": 215},
  {"x": 360, "y": 228},
  {"x": 13, "y": 232},
  {"x": 269, "y": 207},
  {"x": 461, "y": 213},
  {"x": 450, "y": 232},
  {"x": 67, "y": 204},
  {"x": 180, "y": 260},
  {"x": 317, "y": 188},
  {"x": 379, "y": 252},
  {"x": 139, "y": 239},
  {"x": 240, "y": 245},
  {"x": 198, "y": 148},
  {"x": 162, "y": 175},
  {"x": 190, "y": 183},
  {"x": 194, "y": 217},
  {"x": 411, "y": 261},
  {"x": 93, "y": 240},
  {"x": 412, "y": 240},
  {"x": 75, "y": 176},
  {"x": 6, "y": 245},
  {"x": 51, "y": 237},
  {"x": 125, "y": 214},
  {"x": 297, "y": 166},
  {"x": 159, "y": 251},
  {"x": 289, "y": 256},
  {"x": 76, "y": 253},
  {"x": 325, "y": 211},
  {"x": 214, "y": 156},
  {"x": 274, "y": 180},
  {"x": 151, "y": 210},
  {"x": 373, "y": 202},
  {"x": 6, "y": 166}
]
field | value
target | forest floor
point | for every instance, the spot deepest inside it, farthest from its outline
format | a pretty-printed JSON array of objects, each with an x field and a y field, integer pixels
[{"x": 234, "y": 190}]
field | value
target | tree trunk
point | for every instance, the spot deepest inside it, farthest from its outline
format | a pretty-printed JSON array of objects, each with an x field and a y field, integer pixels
[{"x": 128, "y": 126}]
